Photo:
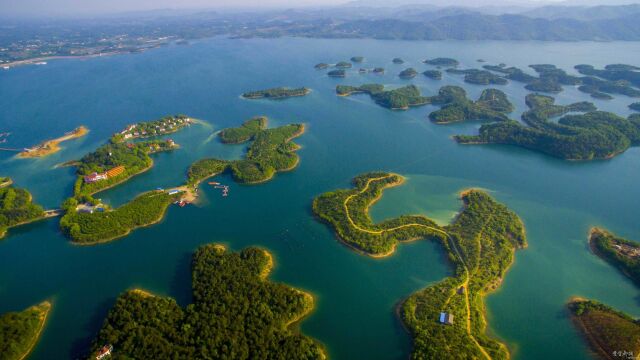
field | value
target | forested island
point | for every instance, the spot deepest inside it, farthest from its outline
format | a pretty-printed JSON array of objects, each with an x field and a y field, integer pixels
[
  {"x": 397, "y": 61},
  {"x": 270, "y": 151},
  {"x": 433, "y": 74},
  {"x": 446, "y": 320},
  {"x": 408, "y": 73},
  {"x": 397, "y": 99},
  {"x": 621, "y": 253},
  {"x": 442, "y": 61},
  {"x": 20, "y": 331},
  {"x": 588, "y": 136},
  {"x": 492, "y": 105},
  {"x": 321, "y": 66},
  {"x": 357, "y": 59},
  {"x": 337, "y": 73},
  {"x": 240, "y": 313},
  {"x": 479, "y": 77},
  {"x": 16, "y": 207},
  {"x": 344, "y": 65},
  {"x": 610, "y": 334},
  {"x": 276, "y": 93},
  {"x": 52, "y": 146},
  {"x": 635, "y": 106}
]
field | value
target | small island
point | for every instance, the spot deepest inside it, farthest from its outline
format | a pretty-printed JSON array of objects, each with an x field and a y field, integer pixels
[
  {"x": 357, "y": 59},
  {"x": 433, "y": 74},
  {"x": 271, "y": 151},
  {"x": 492, "y": 105},
  {"x": 337, "y": 73},
  {"x": 611, "y": 334},
  {"x": 635, "y": 106},
  {"x": 397, "y": 61},
  {"x": 277, "y": 93},
  {"x": 479, "y": 77},
  {"x": 480, "y": 243},
  {"x": 227, "y": 286},
  {"x": 378, "y": 70},
  {"x": 344, "y": 65},
  {"x": 397, "y": 99},
  {"x": 321, "y": 66},
  {"x": 20, "y": 331},
  {"x": 588, "y": 136},
  {"x": 621, "y": 253},
  {"x": 409, "y": 73},
  {"x": 52, "y": 146},
  {"x": 16, "y": 207},
  {"x": 442, "y": 61}
]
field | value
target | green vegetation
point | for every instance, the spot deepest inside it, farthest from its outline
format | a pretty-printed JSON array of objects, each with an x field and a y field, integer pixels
[
  {"x": 480, "y": 244},
  {"x": 92, "y": 228},
  {"x": 146, "y": 129},
  {"x": 276, "y": 93},
  {"x": 622, "y": 253},
  {"x": 611, "y": 334},
  {"x": 321, "y": 66},
  {"x": 396, "y": 99},
  {"x": 408, "y": 73},
  {"x": 357, "y": 59},
  {"x": 378, "y": 70},
  {"x": 491, "y": 106},
  {"x": 593, "y": 135},
  {"x": 237, "y": 313},
  {"x": 433, "y": 74},
  {"x": 20, "y": 331},
  {"x": 635, "y": 106},
  {"x": 479, "y": 77},
  {"x": 5, "y": 181},
  {"x": 613, "y": 72},
  {"x": 344, "y": 65},
  {"x": 397, "y": 61},
  {"x": 271, "y": 151},
  {"x": 446, "y": 62},
  {"x": 337, "y": 73},
  {"x": 16, "y": 207}
]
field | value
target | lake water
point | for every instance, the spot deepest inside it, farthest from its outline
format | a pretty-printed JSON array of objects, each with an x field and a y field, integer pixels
[{"x": 355, "y": 295}]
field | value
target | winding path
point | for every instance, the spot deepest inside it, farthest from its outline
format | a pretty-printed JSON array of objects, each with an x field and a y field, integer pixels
[{"x": 465, "y": 283}]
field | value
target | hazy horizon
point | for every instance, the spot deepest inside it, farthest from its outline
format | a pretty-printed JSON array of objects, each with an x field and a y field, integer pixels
[{"x": 57, "y": 8}]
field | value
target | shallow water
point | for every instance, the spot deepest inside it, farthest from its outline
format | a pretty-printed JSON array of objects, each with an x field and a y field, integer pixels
[{"x": 355, "y": 295}]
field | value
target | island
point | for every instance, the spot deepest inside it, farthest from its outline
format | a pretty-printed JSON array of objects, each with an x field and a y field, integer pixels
[
  {"x": 357, "y": 59},
  {"x": 271, "y": 151},
  {"x": 635, "y": 106},
  {"x": 480, "y": 244},
  {"x": 343, "y": 65},
  {"x": 378, "y": 70},
  {"x": 408, "y": 73},
  {"x": 611, "y": 334},
  {"x": 397, "y": 61},
  {"x": 442, "y": 61},
  {"x": 146, "y": 129},
  {"x": 492, "y": 105},
  {"x": 621, "y": 253},
  {"x": 479, "y": 77},
  {"x": 397, "y": 99},
  {"x": 337, "y": 73},
  {"x": 20, "y": 331},
  {"x": 321, "y": 66},
  {"x": 433, "y": 74},
  {"x": 227, "y": 286},
  {"x": 52, "y": 146},
  {"x": 588, "y": 136},
  {"x": 276, "y": 93},
  {"x": 16, "y": 207},
  {"x": 613, "y": 72}
]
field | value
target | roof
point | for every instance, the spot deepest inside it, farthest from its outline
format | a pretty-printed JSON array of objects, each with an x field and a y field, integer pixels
[{"x": 115, "y": 171}]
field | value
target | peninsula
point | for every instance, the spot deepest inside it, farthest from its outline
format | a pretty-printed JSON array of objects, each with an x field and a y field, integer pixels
[
  {"x": 480, "y": 243},
  {"x": 397, "y": 99},
  {"x": 492, "y": 105},
  {"x": 227, "y": 286},
  {"x": 610, "y": 334},
  {"x": 16, "y": 207},
  {"x": 276, "y": 93},
  {"x": 621, "y": 253},
  {"x": 20, "y": 331},
  {"x": 271, "y": 151},
  {"x": 52, "y": 146}
]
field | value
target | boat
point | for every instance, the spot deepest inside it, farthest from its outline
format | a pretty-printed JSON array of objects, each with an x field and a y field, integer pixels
[{"x": 214, "y": 183}]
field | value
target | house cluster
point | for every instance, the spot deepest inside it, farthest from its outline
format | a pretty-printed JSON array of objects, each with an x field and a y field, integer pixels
[
  {"x": 154, "y": 128},
  {"x": 95, "y": 177}
]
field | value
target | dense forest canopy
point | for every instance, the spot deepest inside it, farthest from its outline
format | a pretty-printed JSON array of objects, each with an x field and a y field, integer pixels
[
  {"x": 237, "y": 313},
  {"x": 622, "y": 253},
  {"x": 16, "y": 207},
  {"x": 19, "y": 331}
]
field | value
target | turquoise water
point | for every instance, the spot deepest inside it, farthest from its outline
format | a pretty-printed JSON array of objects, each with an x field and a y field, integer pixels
[{"x": 355, "y": 295}]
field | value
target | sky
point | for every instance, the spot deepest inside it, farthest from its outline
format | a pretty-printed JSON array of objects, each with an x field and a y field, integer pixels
[{"x": 78, "y": 7}]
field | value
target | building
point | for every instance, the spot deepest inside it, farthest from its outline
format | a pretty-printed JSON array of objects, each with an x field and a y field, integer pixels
[
  {"x": 446, "y": 318},
  {"x": 104, "y": 352},
  {"x": 115, "y": 171},
  {"x": 95, "y": 177}
]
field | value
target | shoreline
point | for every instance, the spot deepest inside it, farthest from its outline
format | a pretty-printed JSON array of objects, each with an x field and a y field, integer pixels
[
  {"x": 52, "y": 146},
  {"x": 592, "y": 343},
  {"x": 47, "y": 305}
]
